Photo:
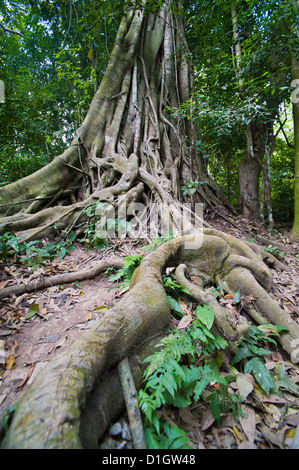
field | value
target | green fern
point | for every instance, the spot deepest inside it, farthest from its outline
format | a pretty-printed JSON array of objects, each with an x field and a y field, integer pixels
[
  {"x": 179, "y": 372},
  {"x": 125, "y": 273}
]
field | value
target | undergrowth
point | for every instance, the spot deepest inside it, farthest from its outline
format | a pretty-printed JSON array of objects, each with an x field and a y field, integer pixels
[
  {"x": 188, "y": 365},
  {"x": 34, "y": 253}
]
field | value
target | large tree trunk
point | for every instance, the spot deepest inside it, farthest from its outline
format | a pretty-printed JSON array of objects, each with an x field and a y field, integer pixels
[
  {"x": 128, "y": 149},
  {"x": 128, "y": 139}
]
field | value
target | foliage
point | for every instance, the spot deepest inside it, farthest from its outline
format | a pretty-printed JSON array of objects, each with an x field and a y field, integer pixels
[
  {"x": 187, "y": 368},
  {"x": 53, "y": 68},
  {"x": 125, "y": 273},
  {"x": 251, "y": 350},
  {"x": 219, "y": 108},
  {"x": 283, "y": 179},
  {"x": 93, "y": 235},
  {"x": 33, "y": 253},
  {"x": 51, "y": 72},
  {"x": 132, "y": 262},
  {"x": 191, "y": 187},
  {"x": 157, "y": 241}
]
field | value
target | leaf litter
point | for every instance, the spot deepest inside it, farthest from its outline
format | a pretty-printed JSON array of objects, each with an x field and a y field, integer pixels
[{"x": 269, "y": 421}]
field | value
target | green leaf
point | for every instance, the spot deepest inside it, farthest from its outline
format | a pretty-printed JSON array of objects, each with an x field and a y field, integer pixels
[
  {"x": 62, "y": 253},
  {"x": 214, "y": 405},
  {"x": 237, "y": 297},
  {"x": 72, "y": 236},
  {"x": 32, "y": 310},
  {"x": 284, "y": 381},
  {"x": 200, "y": 386},
  {"x": 175, "y": 306},
  {"x": 151, "y": 439},
  {"x": 261, "y": 373},
  {"x": 241, "y": 353},
  {"x": 206, "y": 315}
]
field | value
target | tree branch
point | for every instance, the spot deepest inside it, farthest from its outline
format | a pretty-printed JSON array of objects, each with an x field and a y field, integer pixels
[{"x": 11, "y": 31}]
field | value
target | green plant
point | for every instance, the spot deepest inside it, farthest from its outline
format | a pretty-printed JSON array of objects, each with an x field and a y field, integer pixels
[
  {"x": 251, "y": 351},
  {"x": 171, "y": 437},
  {"x": 158, "y": 241},
  {"x": 186, "y": 365},
  {"x": 132, "y": 262},
  {"x": 94, "y": 236},
  {"x": 191, "y": 187},
  {"x": 274, "y": 251},
  {"x": 10, "y": 245},
  {"x": 33, "y": 253},
  {"x": 187, "y": 368},
  {"x": 125, "y": 273}
]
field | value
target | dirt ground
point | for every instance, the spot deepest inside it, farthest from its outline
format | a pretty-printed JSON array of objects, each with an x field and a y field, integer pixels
[{"x": 64, "y": 312}]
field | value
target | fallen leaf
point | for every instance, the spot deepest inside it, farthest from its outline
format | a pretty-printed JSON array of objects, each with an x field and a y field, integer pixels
[
  {"x": 237, "y": 433},
  {"x": 89, "y": 316},
  {"x": 32, "y": 310},
  {"x": 272, "y": 437},
  {"x": 101, "y": 307},
  {"x": 248, "y": 424},
  {"x": 58, "y": 344},
  {"x": 245, "y": 384},
  {"x": 5, "y": 374},
  {"x": 50, "y": 338},
  {"x": 184, "y": 322},
  {"x": 186, "y": 415},
  {"x": 27, "y": 376},
  {"x": 61, "y": 342},
  {"x": 10, "y": 362},
  {"x": 5, "y": 332},
  {"x": 207, "y": 420}
]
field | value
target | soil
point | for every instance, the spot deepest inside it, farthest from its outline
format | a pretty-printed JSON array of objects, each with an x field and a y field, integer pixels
[{"x": 64, "y": 312}]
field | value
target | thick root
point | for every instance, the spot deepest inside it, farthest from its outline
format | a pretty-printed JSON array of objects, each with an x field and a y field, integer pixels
[{"x": 143, "y": 313}]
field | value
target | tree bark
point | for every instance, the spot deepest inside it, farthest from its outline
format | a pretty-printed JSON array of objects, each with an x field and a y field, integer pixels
[
  {"x": 129, "y": 148},
  {"x": 74, "y": 379},
  {"x": 295, "y": 104}
]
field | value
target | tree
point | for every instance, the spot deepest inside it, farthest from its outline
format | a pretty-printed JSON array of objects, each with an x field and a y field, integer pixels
[
  {"x": 130, "y": 148},
  {"x": 295, "y": 101},
  {"x": 242, "y": 66}
]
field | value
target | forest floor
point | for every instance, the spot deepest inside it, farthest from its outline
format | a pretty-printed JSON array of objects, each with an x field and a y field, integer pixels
[{"x": 64, "y": 312}]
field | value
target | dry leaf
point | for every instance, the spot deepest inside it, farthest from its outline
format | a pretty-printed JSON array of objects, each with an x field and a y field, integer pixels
[
  {"x": 61, "y": 342},
  {"x": 273, "y": 437},
  {"x": 184, "y": 322},
  {"x": 237, "y": 433},
  {"x": 27, "y": 376},
  {"x": 89, "y": 316},
  {"x": 10, "y": 362},
  {"x": 186, "y": 416},
  {"x": 245, "y": 384},
  {"x": 207, "y": 420},
  {"x": 248, "y": 424}
]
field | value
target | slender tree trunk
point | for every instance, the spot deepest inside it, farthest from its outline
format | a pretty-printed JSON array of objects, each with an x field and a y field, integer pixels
[
  {"x": 295, "y": 103},
  {"x": 250, "y": 166}
]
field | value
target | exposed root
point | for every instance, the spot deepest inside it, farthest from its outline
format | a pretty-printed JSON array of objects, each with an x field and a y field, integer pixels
[
  {"x": 142, "y": 314},
  {"x": 38, "y": 284}
]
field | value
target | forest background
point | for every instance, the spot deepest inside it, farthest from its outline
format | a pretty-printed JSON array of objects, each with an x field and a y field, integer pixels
[{"x": 53, "y": 56}]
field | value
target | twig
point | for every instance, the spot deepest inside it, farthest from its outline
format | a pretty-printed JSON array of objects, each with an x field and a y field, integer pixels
[{"x": 130, "y": 396}]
